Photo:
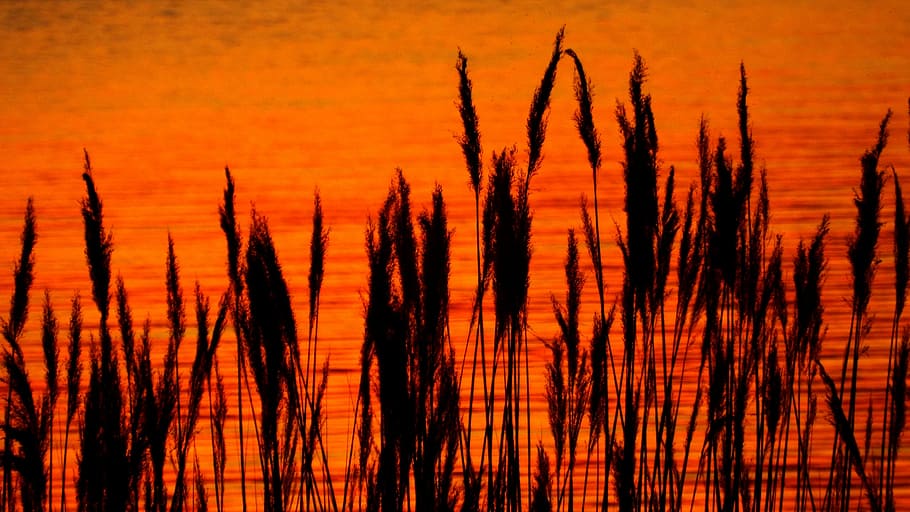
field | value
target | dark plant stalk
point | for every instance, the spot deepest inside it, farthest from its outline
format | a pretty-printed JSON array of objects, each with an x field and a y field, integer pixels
[
  {"x": 472, "y": 150},
  {"x": 51, "y": 349},
  {"x": 536, "y": 129},
  {"x": 218, "y": 416},
  {"x": 584, "y": 122},
  {"x": 272, "y": 334},
  {"x": 863, "y": 260},
  {"x": 206, "y": 346},
  {"x": 25, "y": 431},
  {"x": 176, "y": 315},
  {"x": 314, "y": 394},
  {"x": 73, "y": 383},
  {"x": 901, "y": 278},
  {"x": 804, "y": 344},
  {"x": 385, "y": 338},
  {"x": 845, "y": 431},
  {"x": 231, "y": 231}
]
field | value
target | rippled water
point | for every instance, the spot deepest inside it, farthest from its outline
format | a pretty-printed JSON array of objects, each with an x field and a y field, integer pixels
[{"x": 295, "y": 97}]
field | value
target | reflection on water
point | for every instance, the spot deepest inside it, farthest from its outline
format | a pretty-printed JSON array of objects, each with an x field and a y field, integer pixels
[{"x": 337, "y": 95}]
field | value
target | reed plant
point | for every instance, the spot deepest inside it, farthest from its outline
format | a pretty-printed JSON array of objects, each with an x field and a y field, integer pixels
[
  {"x": 73, "y": 383},
  {"x": 406, "y": 332},
  {"x": 568, "y": 385},
  {"x": 228, "y": 218},
  {"x": 472, "y": 150},
  {"x": 862, "y": 254},
  {"x": 28, "y": 425}
]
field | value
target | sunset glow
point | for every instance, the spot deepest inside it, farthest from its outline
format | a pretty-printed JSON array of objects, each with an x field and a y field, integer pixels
[{"x": 332, "y": 98}]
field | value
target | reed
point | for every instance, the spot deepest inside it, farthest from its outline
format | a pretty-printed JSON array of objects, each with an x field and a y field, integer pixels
[
  {"x": 206, "y": 346},
  {"x": 218, "y": 417},
  {"x": 27, "y": 427},
  {"x": 73, "y": 383},
  {"x": 270, "y": 331},
  {"x": 51, "y": 350},
  {"x": 895, "y": 382},
  {"x": 472, "y": 150},
  {"x": 803, "y": 346},
  {"x": 862, "y": 254},
  {"x": 385, "y": 330},
  {"x": 598, "y": 407},
  {"x": 569, "y": 385},
  {"x": 407, "y": 334},
  {"x": 510, "y": 260},
  {"x": 228, "y": 221},
  {"x": 315, "y": 391},
  {"x": 170, "y": 392}
]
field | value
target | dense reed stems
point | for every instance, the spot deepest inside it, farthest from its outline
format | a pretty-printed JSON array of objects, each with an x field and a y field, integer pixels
[
  {"x": 406, "y": 331},
  {"x": 503, "y": 262},
  {"x": 541, "y": 488},
  {"x": 207, "y": 341},
  {"x": 104, "y": 470},
  {"x": 51, "y": 350},
  {"x": 268, "y": 336},
  {"x": 710, "y": 400}
]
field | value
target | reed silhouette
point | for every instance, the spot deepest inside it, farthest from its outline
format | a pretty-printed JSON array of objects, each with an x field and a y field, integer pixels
[{"x": 707, "y": 399}]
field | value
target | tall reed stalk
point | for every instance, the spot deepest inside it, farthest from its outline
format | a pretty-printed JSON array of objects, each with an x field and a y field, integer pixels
[
  {"x": 28, "y": 424},
  {"x": 472, "y": 151},
  {"x": 73, "y": 384},
  {"x": 862, "y": 253},
  {"x": 568, "y": 385},
  {"x": 231, "y": 231}
]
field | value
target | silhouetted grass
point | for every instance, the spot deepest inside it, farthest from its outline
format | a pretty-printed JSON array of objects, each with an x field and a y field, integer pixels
[
  {"x": 228, "y": 220},
  {"x": 27, "y": 426},
  {"x": 568, "y": 388},
  {"x": 711, "y": 397},
  {"x": 472, "y": 150},
  {"x": 862, "y": 254}
]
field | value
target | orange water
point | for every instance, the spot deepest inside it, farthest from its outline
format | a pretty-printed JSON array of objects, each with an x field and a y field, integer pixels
[{"x": 296, "y": 97}]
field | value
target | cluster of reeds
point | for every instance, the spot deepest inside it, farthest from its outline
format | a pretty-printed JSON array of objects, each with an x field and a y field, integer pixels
[
  {"x": 416, "y": 384},
  {"x": 746, "y": 345},
  {"x": 137, "y": 425},
  {"x": 708, "y": 396},
  {"x": 290, "y": 420}
]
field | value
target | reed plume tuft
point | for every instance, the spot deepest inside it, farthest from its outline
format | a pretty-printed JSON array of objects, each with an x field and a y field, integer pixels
[
  {"x": 470, "y": 139},
  {"x": 537, "y": 117}
]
